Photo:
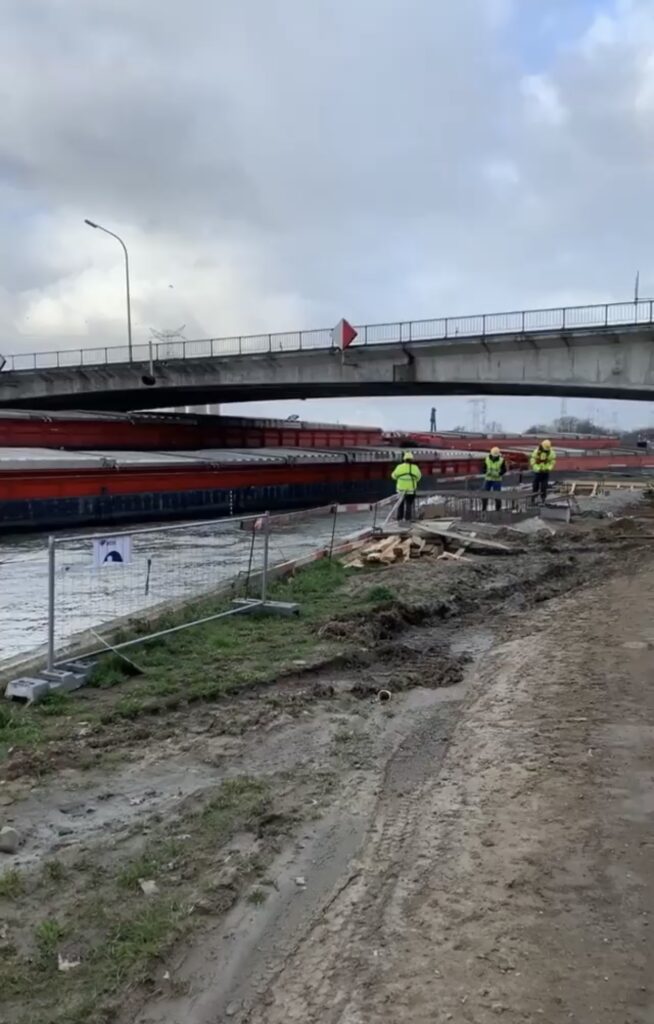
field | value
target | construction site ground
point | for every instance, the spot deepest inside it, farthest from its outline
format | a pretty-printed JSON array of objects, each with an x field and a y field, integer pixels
[{"x": 292, "y": 849}]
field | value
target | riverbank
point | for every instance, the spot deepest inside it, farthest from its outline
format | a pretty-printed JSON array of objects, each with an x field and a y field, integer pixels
[{"x": 305, "y": 839}]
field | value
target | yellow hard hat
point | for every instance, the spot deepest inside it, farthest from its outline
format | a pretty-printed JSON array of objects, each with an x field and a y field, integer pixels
[
  {"x": 546, "y": 444},
  {"x": 495, "y": 451},
  {"x": 408, "y": 456}
]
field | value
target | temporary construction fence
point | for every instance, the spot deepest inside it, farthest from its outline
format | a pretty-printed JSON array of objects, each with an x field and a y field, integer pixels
[{"x": 97, "y": 580}]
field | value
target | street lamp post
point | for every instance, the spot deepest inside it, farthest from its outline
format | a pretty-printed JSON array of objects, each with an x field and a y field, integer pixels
[{"x": 99, "y": 227}]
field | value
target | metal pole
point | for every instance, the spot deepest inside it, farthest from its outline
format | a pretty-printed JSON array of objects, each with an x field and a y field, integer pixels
[
  {"x": 99, "y": 227},
  {"x": 266, "y": 551},
  {"x": 331, "y": 545},
  {"x": 129, "y": 303},
  {"x": 51, "y": 602}
]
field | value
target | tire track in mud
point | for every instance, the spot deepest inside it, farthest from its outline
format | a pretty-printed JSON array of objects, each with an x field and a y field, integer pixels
[{"x": 314, "y": 983}]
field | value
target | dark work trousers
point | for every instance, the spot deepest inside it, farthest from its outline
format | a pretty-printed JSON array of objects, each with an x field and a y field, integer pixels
[
  {"x": 540, "y": 485},
  {"x": 405, "y": 509},
  {"x": 492, "y": 485}
]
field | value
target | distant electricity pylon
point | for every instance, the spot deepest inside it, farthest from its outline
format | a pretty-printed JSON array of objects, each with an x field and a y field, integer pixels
[
  {"x": 478, "y": 406},
  {"x": 169, "y": 338}
]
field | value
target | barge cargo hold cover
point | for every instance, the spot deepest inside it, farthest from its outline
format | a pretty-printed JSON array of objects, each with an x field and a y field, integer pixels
[{"x": 44, "y": 489}]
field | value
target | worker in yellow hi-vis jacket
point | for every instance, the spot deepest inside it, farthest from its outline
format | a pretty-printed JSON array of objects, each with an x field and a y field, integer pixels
[
  {"x": 542, "y": 462},
  {"x": 407, "y": 476},
  {"x": 495, "y": 466}
]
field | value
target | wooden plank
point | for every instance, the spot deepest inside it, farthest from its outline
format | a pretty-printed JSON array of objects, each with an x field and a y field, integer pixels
[{"x": 473, "y": 543}]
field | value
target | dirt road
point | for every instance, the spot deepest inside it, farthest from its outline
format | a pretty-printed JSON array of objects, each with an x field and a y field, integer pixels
[{"x": 506, "y": 873}]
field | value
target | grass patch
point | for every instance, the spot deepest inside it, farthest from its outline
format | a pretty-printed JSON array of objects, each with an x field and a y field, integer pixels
[
  {"x": 19, "y": 726},
  {"x": 203, "y": 663},
  {"x": 11, "y": 885},
  {"x": 380, "y": 595},
  {"x": 48, "y": 934},
  {"x": 121, "y": 934},
  {"x": 54, "y": 704},
  {"x": 257, "y": 896}
]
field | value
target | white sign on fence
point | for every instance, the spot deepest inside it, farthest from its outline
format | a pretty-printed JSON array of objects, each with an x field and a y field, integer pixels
[{"x": 109, "y": 550}]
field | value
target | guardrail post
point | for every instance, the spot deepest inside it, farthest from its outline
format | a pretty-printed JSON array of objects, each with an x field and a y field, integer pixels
[
  {"x": 300, "y": 340},
  {"x": 447, "y": 327},
  {"x": 650, "y": 310},
  {"x": 523, "y": 321},
  {"x": 270, "y": 342},
  {"x": 483, "y": 326},
  {"x": 51, "y": 602},
  {"x": 563, "y": 321}
]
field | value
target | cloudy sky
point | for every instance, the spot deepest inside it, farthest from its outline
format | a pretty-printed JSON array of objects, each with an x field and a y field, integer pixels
[{"x": 277, "y": 164}]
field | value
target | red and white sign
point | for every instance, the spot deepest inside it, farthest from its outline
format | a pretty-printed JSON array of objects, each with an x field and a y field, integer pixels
[{"x": 343, "y": 334}]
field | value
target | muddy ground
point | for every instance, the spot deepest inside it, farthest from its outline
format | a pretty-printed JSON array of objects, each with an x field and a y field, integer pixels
[{"x": 479, "y": 846}]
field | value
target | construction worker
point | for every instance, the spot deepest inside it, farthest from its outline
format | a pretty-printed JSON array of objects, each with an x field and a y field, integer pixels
[
  {"x": 495, "y": 470},
  {"x": 542, "y": 462},
  {"x": 407, "y": 476}
]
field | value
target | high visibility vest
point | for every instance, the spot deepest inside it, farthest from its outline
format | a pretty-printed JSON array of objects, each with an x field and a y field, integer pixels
[
  {"x": 542, "y": 460},
  {"x": 407, "y": 476},
  {"x": 494, "y": 467}
]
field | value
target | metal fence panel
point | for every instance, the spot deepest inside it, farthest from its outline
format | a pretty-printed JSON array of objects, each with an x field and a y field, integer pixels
[
  {"x": 197, "y": 349},
  {"x": 627, "y": 312},
  {"x": 164, "y": 567},
  {"x": 289, "y": 342},
  {"x": 255, "y": 344},
  {"x": 543, "y": 320},
  {"x": 503, "y": 323},
  {"x": 464, "y": 326},
  {"x": 382, "y": 334},
  {"x": 426, "y": 330},
  {"x": 316, "y": 339}
]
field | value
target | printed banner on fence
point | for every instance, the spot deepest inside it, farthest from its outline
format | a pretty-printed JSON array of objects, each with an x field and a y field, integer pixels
[{"x": 112, "y": 550}]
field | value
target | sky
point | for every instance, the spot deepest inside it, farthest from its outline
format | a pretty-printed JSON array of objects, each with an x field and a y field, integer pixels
[{"x": 278, "y": 164}]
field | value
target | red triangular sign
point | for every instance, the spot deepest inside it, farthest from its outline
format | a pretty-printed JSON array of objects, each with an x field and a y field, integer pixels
[{"x": 343, "y": 334}]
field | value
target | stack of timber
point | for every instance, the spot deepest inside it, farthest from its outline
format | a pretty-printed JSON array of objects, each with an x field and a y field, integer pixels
[{"x": 425, "y": 539}]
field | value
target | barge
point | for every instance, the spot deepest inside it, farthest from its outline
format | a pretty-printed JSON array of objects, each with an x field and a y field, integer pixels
[{"x": 41, "y": 489}]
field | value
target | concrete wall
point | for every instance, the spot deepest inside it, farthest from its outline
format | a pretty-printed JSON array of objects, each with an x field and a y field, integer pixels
[{"x": 603, "y": 363}]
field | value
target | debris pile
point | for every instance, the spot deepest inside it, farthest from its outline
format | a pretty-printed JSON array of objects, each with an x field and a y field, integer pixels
[
  {"x": 440, "y": 542},
  {"x": 392, "y": 549}
]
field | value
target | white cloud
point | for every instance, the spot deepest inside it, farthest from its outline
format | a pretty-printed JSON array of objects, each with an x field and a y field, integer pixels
[
  {"x": 544, "y": 102},
  {"x": 282, "y": 163}
]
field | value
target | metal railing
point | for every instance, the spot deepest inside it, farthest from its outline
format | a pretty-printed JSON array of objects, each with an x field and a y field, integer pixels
[{"x": 521, "y": 322}]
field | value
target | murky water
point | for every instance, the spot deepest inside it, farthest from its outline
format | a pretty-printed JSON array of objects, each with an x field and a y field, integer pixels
[{"x": 165, "y": 565}]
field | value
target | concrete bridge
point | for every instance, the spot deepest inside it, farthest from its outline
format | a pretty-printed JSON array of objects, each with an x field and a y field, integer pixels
[{"x": 604, "y": 351}]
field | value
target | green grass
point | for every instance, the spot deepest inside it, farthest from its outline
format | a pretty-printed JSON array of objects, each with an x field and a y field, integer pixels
[
  {"x": 120, "y": 932},
  {"x": 55, "y": 704},
  {"x": 380, "y": 595},
  {"x": 19, "y": 726},
  {"x": 55, "y": 872},
  {"x": 257, "y": 896},
  {"x": 48, "y": 934},
  {"x": 11, "y": 885}
]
